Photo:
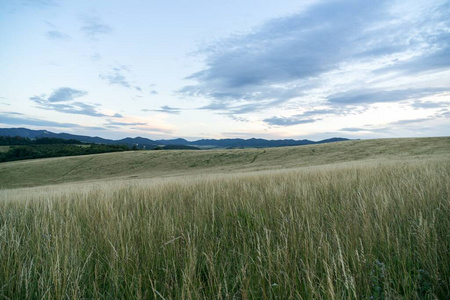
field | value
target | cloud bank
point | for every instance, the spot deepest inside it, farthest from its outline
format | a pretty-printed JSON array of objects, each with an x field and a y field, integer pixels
[
  {"x": 20, "y": 119},
  {"x": 300, "y": 55}
]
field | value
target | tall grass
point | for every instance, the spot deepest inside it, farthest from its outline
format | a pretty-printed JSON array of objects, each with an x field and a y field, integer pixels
[{"x": 368, "y": 231}]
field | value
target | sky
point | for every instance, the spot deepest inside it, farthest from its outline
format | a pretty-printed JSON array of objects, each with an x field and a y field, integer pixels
[{"x": 226, "y": 69}]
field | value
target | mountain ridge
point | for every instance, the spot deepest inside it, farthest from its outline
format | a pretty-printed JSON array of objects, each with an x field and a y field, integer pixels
[{"x": 142, "y": 142}]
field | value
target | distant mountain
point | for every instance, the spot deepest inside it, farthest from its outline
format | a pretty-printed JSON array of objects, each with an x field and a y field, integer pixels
[
  {"x": 139, "y": 141},
  {"x": 32, "y": 134},
  {"x": 332, "y": 140},
  {"x": 150, "y": 144},
  {"x": 173, "y": 142},
  {"x": 24, "y": 132}
]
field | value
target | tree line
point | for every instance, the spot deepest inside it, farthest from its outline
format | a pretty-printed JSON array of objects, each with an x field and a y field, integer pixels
[{"x": 25, "y": 148}]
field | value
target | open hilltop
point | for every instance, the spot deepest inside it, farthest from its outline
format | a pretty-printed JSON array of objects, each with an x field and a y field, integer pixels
[{"x": 348, "y": 220}]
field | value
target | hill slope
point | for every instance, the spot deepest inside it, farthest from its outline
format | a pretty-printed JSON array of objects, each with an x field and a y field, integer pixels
[
  {"x": 156, "y": 164},
  {"x": 373, "y": 227}
]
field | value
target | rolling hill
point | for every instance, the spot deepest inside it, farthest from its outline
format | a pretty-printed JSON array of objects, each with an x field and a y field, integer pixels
[
  {"x": 157, "y": 164},
  {"x": 348, "y": 220}
]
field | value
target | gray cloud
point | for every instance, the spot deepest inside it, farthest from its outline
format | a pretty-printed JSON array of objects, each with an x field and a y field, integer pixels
[
  {"x": 114, "y": 123},
  {"x": 117, "y": 77},
  {"x": 430, "y": 104},
  {"x": 65, "y": 94},
  {"x": 122, "y": 68},
  {"x": 443, "y": 114},
  {"x": 226, "y": 108},
  {"x": 303, "y": 118},
  {"x": 286, "y": 57},
  {"x": 404, "y": 124},
  {"x": 56, "y": 35},
  {"x": 411, "y": 121},
  {"x": 282, "y": 121},
  {"x": 77, "y": 108},
  {"x": 94, "y": 28},
  {"x": 19, "y": 119},
  {"x": 313, "y": 115},
  {"x": 153, "y": 129},
  {"x": 165, "y": 109},
  {"x": 315, "y": 112},
  {"x": 61, "y": 100},
  {"x": 353, "y": 129},
  {"x": 371, "y": 96},
  {"x": 436, "y": 56},
  {"x": 153, "y": 92},
  {"x": 285, "y": 49}
]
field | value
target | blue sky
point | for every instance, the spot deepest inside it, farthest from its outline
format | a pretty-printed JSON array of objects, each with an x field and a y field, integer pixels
[{"x": 215, "y": 69}]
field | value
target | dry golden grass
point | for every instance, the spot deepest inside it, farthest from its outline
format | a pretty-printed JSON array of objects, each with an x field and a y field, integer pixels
[
  {"x": 157, "y": 164},
  {"x": 377, "y": 227}
]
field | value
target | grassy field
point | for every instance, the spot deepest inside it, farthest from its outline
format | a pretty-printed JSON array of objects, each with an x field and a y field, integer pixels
[
  {"x": 157, "y": 164},
  {"x": 4, "y": 149},
  {"x": 351, "y": 220}
]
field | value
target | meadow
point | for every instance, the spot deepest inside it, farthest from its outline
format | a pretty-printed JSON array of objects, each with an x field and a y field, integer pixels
[
  {"x": 351, "y": 220},
  {"x": 4, "y": 149}
]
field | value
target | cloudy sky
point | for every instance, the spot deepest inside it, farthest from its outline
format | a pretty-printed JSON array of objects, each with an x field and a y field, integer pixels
[{"x": 237, "y": 68}]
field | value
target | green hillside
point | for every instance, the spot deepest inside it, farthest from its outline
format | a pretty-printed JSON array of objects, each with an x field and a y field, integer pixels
[{"x": 156, "y": 164}]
